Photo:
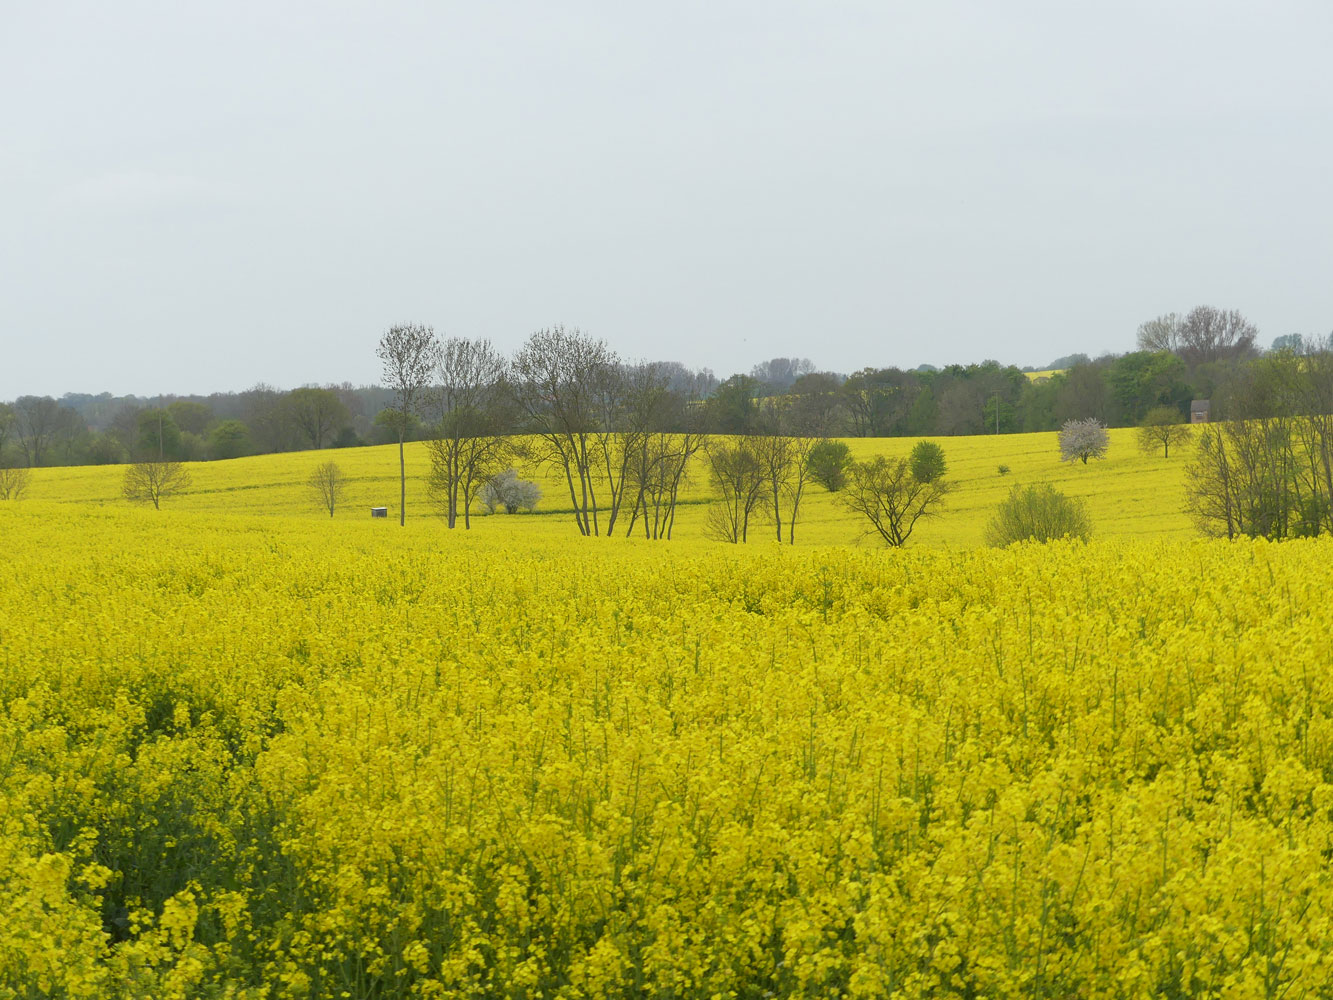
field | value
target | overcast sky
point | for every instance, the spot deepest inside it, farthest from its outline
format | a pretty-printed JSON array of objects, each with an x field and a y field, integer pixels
[{"x": 197, "y": 197}]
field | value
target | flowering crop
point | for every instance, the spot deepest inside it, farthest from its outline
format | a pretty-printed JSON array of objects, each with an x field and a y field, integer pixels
[
  {"x": 291, "y": 757},
  {"x": 1129, "y": 495}
]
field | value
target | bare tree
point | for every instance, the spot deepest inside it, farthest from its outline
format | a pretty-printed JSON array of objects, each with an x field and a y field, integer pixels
[
  {"x": 1162, "y": 427},
  {"x": 737, "y": 474},
  {"x": 467, "y": 444},
  {"x": 569, "y": 387},
  {"x": 154, "y": 480},
  {"x": 124, "y": 427},
  {"x": 793, "y": 491},
  {"x": 69, "y": 435},
  {"x": 817, "y": 406},
  {"x": 1160, "y": 334},
  {"x": 1081, "y": 440},
  {"x": 316, "y": 413},
  {"x": 878, "y": 401},
  {"x": 327, "y": 485},
  {"x": 36, "y": 421},
  {"x": 268, "y": 419},
  {"x": 14, "y": 481},
  {"x": 1314, "y": 403},
  {"x": 774, "y": 452},
  {"x": 1253, "y": 475},
  {"x": 1209, "y": 334},
  {"x": 783, "y": 455},
  {"x": 887, "y": 495},
  {"x": 407, "y": 354},
  {"x": 625, "y": 397},
  {"x": 657, "y": 473},
  {"x": 1311, "y": 380},
  {"x": 669, "y": 432}
]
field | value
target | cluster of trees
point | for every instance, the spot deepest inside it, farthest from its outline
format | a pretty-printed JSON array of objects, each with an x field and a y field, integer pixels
[
  {"x": 1267, "y": 471},
  {"x": 618, "y": 435},
  {"x": 80, "y": 429}
]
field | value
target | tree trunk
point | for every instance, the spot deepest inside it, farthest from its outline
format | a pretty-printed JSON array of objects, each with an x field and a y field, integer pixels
[{"x": 402, "y": 481}]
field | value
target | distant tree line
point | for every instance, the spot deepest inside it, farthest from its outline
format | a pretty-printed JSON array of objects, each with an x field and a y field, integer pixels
[
  {"x": 83, "y": 429},
  {"x": 1202, "y": 354}
]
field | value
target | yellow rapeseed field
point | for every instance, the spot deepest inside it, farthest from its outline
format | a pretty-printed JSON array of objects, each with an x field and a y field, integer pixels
[
  {"x": 248, "y": 751},
  {"x": 1128, "y": 495}
]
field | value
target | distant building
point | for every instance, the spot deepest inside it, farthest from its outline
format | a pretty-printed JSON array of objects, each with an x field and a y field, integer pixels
[
  {"x": 379, "y": 511},
  {"x": 1200, "y": 411}
]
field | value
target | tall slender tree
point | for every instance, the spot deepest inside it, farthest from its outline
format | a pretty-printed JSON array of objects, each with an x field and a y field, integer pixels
[
  {"x": 467, "y": 444},
  {"x": 566, "y": 384},
  {"x": 408, "y": 355}
]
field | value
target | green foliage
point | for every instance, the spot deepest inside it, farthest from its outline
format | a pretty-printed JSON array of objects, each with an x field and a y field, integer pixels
[
  {"x": 927, "y": 462},
  {"x": 159, "y": 435},
  {"x": 1002, "y": 469},
  {"x": 388, "y": 422},
  {"x": 230, "y": 439},
  {"x": 924, "y": 412},
  {"x": 1007, "y": 414},
  {"x": 104, "y": 449},
  {"x": 1038, "y": 513},
  {"x": 828, "y": 462},
  {"x": 1162, "y": 427},
  {"x": 891, "y": 498},
  {"x": 315, "y": 413},
  {"x": 346, "y": 438},
  {"x": 1142, "y": 380},
  {"x": 191, "y": 417},
  {"x": 732, "y": 406}
]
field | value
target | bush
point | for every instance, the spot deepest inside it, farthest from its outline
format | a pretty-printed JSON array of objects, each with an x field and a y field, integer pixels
[
  {"x": 827, "y": 463},
  {"x": 508, "y": 491},
  {"x": 1002, "y": 469},
  {"x": 1083, "y": 439},
  {"x": 927, "y": 461},
  {"x": 1038, "y": 513}
]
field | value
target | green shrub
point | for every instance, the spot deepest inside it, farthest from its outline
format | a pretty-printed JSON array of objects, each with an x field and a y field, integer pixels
[
  {"x": 1038, "y": 513},
  {"x": 827, "y": 463},
  {"x": 927, "y": 461}
]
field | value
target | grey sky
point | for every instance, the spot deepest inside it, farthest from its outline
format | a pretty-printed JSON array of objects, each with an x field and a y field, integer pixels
[{"x": 196, "y": 197}]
